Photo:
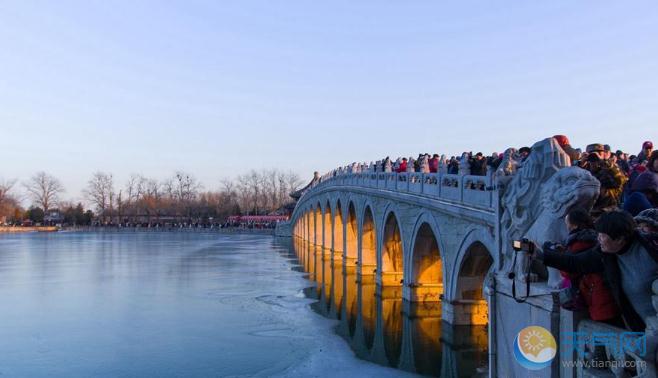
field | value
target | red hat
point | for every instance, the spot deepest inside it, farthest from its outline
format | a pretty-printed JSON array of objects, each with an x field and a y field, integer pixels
[
  {"x": 647, "y": 144},
  {"x": 562, "y": 140}
]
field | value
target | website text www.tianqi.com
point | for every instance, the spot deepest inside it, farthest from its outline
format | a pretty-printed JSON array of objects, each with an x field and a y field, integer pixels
[{"x": 614, "y": 364}]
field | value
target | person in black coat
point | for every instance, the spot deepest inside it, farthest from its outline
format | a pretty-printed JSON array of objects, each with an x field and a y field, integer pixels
[{"x": 627, "y": 264}]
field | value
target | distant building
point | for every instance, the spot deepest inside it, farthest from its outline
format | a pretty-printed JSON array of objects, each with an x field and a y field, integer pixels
[{"x": 53, "y": 217}]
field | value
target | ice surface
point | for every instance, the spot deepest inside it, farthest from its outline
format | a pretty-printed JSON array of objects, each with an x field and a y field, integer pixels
[{"x": 162, "y": 304}]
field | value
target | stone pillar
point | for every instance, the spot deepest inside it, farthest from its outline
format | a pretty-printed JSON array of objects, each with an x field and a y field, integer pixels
[{"x": 465, "y": 312}]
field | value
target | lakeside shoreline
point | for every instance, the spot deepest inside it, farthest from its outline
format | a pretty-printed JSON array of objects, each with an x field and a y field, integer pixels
[{"x": 235, "y": 230}]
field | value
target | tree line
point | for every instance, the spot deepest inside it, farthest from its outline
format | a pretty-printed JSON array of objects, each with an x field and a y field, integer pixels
[{"x": 180, "y": 198}]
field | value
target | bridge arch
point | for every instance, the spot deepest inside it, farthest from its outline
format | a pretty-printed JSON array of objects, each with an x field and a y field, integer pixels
[
  {"x": 474, "y": 261},
  {"x": 351, "y": 233},
  {"x": 308, "y": 229},
  {"x": 327, "y": 229},
  {"x": 367, "y": 242},
  {"x": 390, "y": 264},
  {"x": 425, "y": 272},
  {"x": 311, "y": 224},
  {"x": 338, "y": 230},
  {"x": 318, "y": 225}
]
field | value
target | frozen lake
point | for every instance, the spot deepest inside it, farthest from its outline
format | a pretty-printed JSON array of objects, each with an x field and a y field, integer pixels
[{"x": 166, "y": 304}]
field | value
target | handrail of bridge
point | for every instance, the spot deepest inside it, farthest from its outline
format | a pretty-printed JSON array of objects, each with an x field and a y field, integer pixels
[{"x": 463, "y": 189}]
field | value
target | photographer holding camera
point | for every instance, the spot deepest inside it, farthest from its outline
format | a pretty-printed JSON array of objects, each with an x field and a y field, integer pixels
[
  {"x": 589, "y": 289},
  {"x": 625, "y": 260}
]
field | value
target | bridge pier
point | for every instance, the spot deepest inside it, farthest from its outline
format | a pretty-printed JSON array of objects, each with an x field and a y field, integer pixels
[
  {"x": 465, "y": 312},
  {"x": 367, "y": 270},
  {"x": 424, "y": 292},
  {"x": 390, "y": 278},
  {"x": 389, "y": 292},
  {"x": 325, "y": 253}
]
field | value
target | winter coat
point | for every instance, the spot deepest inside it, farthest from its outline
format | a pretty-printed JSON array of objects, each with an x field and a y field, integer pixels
[
  {"x": 595, "y": 261},
  {"x": 600, "y": 302},
  {"x": 637, "y": 202},
  {"x": 478, "y": 167},
  {"x": 612, "y": 181},
  {"x": 434, "y": 165}
]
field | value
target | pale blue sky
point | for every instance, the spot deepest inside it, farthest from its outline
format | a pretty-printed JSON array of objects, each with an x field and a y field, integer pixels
[{"x": 220, "y": 87}]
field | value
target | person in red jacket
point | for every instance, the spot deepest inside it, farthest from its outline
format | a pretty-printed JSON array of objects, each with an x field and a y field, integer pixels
[
  {"x": 403, "y": 166},
  {"x": 592, "y": 288},
  {"x": 434, "y": 163}
]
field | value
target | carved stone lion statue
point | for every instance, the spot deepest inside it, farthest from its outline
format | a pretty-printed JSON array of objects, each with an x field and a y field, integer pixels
[
  {"x": 567, "y": 188},
  {"x": 537, "y": 198}
]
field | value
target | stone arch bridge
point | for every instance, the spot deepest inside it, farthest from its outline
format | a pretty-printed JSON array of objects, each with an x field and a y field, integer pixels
[
  {"x": 426, "y": 237},
  {"x": 447, "y": 239}
]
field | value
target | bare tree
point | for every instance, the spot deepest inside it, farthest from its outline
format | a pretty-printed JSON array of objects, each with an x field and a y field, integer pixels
[
  {"x": 5, "y": 188},
  {"x": 100, "y": 192},
  {"x": 185, "y": 186},
  {"x": 9, "y": 204},
  {"x": 44, "y": 190},
  {"x": 293, "y": 181}
]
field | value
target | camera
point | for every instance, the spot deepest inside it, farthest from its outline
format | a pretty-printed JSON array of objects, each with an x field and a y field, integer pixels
[
  {"x": 552, "y": 247},
  {"x": 524, "y": 245}
]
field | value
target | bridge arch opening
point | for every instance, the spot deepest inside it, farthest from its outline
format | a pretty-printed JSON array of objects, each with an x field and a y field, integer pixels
[
  {"x": 351, "y": 234},
  {"x": 470, "y": 284},
  {"x": 426, "y": 267},
  {"x": 305, "y": 226},
  {"x": 318, "y": 225},
  {"x": 368, "y": 256},
  {"x": 327, "y": 228},
  {"x": 392, "y": 253},
  {"x": 311, "y": 225},
  {"x": 338, "y": 230}
]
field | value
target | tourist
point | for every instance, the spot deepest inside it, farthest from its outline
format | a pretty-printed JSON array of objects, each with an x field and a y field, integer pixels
[
  {"x": 609, "y": 175},
  {"x": 563, "y": 141},
  {"x": 647, "y": 222},
  {"x": 643, "y": 193},
  {"x": 524, "y": 152},
  {"x": 453, "y": 166},
  {"x": 478, "y": 165},
  {"x": 647, "y": 148},
  {"x": 411, "y": 165},
  {"x": 402, "y": 168},
  {"x": 622, "y": 256},
  {"x": 494, "y": 161},
  {"x": 434, "y": 163},
  {"x": 387, "y": 166},
  {"x": 607, "y": 152},
  {"x": 622, "y": 162},
  {"x": 592, "y": 290},
  {"x": 652, "y": 162}
]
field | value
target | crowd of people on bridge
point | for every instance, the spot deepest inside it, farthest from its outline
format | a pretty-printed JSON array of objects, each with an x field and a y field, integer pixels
[{"x": 610, "y": 258}]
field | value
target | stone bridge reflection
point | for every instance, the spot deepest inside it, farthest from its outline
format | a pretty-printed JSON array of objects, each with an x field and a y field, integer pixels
[{"x": 382, "y": 327}]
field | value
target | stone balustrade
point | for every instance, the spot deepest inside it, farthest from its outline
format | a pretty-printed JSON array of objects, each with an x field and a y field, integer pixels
[{"x": 467, "y": 190}]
